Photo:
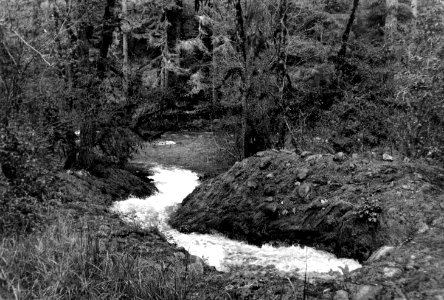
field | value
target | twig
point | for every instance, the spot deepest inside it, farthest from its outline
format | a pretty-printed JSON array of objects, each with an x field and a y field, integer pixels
[
  {"x": 220, "y": 147},
  {"x": 34, "y": 49},
  {"x": 9, "y": 53},
  {"x": 224, "y": 149},
  {"x": 304, "y": 296}
]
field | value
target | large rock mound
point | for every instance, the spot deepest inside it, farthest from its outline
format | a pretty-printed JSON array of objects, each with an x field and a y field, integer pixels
[{"x": 348, "y": 206}]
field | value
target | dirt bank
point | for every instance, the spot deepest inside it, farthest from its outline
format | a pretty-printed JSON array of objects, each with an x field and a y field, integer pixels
[{"x": 350, "y": 206}]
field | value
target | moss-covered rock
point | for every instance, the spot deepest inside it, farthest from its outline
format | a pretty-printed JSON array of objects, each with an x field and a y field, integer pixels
[{"x": 349, "y": 207}]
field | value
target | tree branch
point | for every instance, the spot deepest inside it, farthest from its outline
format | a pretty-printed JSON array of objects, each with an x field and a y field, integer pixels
[
  {"x": 345, "y": 36},
  {"x": 30, "y": 46}
]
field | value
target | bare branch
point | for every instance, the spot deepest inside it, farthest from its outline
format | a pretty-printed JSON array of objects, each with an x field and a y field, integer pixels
[
  {"x": 30, "y": 46},
  {"x": 9, "y": 53}
]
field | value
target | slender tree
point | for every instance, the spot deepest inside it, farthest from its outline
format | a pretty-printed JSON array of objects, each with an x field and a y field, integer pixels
[
  {"x": 107, "y": 35},
  {"x": 414, "y": 6},
  {"x": 391, "y": 20},
  {"x": 346, "y": 35},
  {"x": 125, "y": 65},
  {"x": 245, "y": 77}
]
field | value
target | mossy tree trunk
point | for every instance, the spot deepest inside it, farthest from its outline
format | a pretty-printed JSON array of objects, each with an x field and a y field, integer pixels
[
  {"x": 245, "y": 77},
  {"x": 107, "y": 36},
  {"x": 391, "y": 20},
  {"x": 172, "y": 15},
  {"x": 282, "y": 74},
  {"x": 346, "y": 35},
  {"x": 125, "y": 64}
]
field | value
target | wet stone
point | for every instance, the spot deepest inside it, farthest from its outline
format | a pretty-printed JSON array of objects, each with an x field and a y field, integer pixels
[
  {"x": 252, "y": 185},
  {"x": 304, "y": 190},
  {"x": 422, "y": 227},
  {"x": 304, "y": 154},
  {"x": 439, "y": 222},
  {"x": 387, "y": 157},
  {"x": 367, "y": 292},
  {"x": 341, "y": 295},
  {"x": 390, "y": 272},
  {"x": 269, "y": 190},
  {"x": 271, "y": 207},
  {"x": 313, "y": 158},
  {"x": 340, "y": 156},
  {"x": 382, "y": 252},
  {"x": 196, "y": 267},
  {"x": 302, "y": 174},
  {"x": 179, "y": 255},
  {"x": 265, "y": 163}
]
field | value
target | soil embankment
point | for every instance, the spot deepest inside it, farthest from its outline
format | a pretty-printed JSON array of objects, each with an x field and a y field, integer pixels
[{"x": 348, "y": 206}]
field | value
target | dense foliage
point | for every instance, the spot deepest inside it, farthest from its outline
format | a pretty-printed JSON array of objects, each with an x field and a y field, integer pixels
[{"x": 84, "y": 83}]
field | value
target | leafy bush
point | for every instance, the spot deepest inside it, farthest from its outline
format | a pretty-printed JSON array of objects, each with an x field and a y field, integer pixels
[
  {"x": 370, "y": 210},
  {"x": 28, "y": 178}
]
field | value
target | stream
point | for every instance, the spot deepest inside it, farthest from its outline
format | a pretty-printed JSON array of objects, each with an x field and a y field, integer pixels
[{"x": 174, "y": 184}]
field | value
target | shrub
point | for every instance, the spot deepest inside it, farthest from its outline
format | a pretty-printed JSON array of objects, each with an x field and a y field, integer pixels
[{"x": 370, "y": 210}]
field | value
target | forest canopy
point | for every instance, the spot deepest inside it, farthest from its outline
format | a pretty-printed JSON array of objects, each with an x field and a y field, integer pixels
[{"x": 90, "y": 80}]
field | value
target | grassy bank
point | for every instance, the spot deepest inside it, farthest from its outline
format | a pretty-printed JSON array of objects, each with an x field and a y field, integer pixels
[
  {"x": 81, "y": 250},
  {"x": 75, "y": 261}
]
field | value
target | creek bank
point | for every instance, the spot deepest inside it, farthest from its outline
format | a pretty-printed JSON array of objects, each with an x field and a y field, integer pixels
[
  {"x": 110, "y": 183},
  {"x": 350, "y": 206},
  {"x": 86, "y": 204}
]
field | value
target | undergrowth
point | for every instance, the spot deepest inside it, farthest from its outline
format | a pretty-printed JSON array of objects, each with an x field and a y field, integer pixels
[{"x": 68, "y": 263}]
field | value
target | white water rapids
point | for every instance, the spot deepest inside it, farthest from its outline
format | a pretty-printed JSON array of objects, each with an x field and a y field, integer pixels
[{"x": 174, "y": 185}]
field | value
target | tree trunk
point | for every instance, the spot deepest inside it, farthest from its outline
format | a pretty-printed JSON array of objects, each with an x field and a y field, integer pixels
[
  {"x": 6, "y": 62},
  {"x": 213, "y": 80},
  {"x": 173, "y": 29},
  {"x": 346, "y": 34},
  {"x": 281, "y": 51},
  {"x": 107, "y": 36},
  {"x": 414, "y": 6},
  {"x": 242, "y": 46},
  {"x": 87, "y": 137},
  {"x": 391, "y": 20},
  {"x": 125, "y": 66}
]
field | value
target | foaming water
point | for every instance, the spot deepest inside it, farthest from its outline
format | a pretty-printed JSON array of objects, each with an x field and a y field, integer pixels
[
  {"x": 174, "y": 185},
  {"x": 164, "y": 143}
]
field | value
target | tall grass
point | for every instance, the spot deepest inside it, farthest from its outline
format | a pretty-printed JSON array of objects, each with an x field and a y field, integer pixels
[{"x": 66, "y": 263}]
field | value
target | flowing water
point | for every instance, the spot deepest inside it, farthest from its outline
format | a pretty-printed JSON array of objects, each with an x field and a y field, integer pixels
[{"x": 174, "y": 184}]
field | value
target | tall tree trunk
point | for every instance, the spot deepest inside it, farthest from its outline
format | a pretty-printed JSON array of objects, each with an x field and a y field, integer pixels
[
  {"x": 390, "y": 29},
  {"x": 213, "y": 79},
  {"x": 281, "y": 51},
  {"x": 414, "y": 5},
  {"x": 346, "y": 35},
  {"x": 6, "y": 62},
  {"x": 35, "y": 18},
  {"x": 164, "y": 72},
  {"x": 391, "y": 20},
  {"x": 242, "y": 46},
  {"x": 107, "y": 36},
  {"x": 125, "y": 67},
  {"x": 173, "y": 29}
]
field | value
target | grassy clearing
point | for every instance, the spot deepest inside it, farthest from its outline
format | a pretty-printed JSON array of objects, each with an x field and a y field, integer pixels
[{"x": 67, "y": 263}]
